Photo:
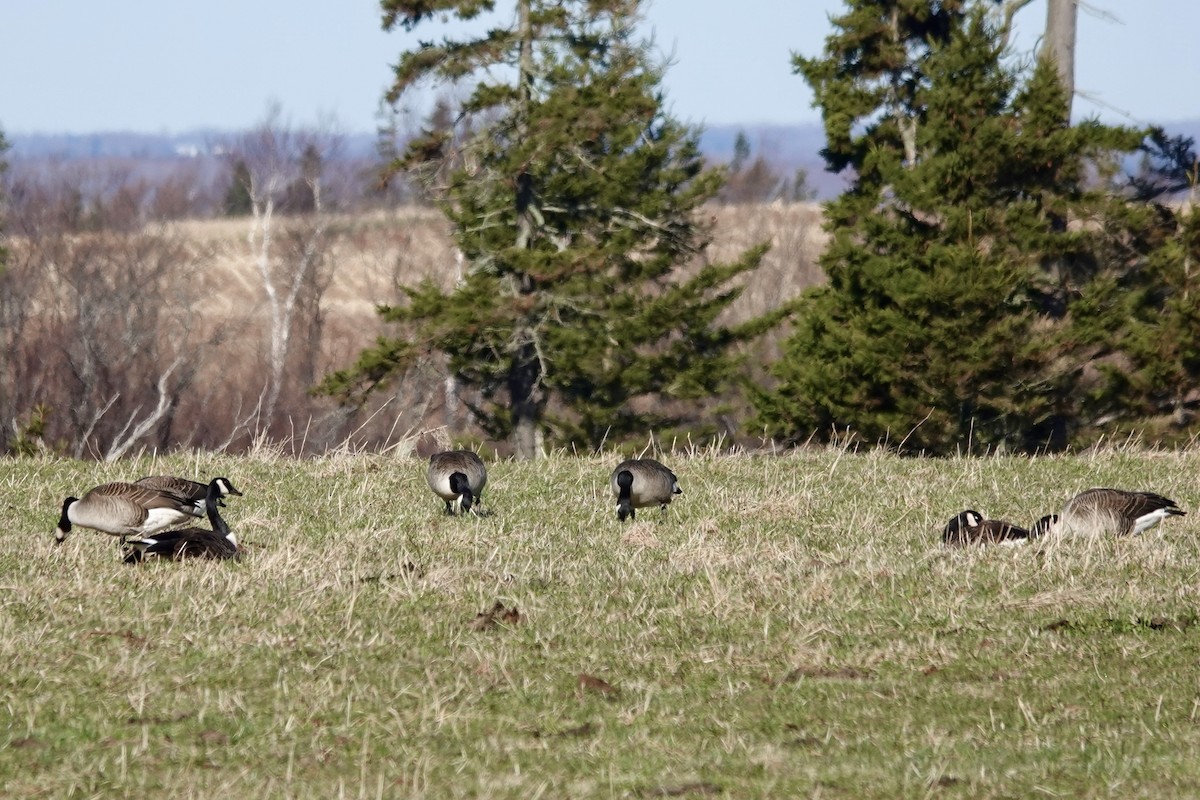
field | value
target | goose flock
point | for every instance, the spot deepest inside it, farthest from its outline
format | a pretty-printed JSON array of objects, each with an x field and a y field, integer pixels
[
  {"x": 1095, "y": 512},
  {"x": 458, "y": 478},
  {"x": 145, "y": 513}
]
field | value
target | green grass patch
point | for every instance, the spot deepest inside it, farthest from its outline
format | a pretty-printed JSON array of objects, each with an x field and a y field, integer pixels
[{"x": 791, "y": 626}]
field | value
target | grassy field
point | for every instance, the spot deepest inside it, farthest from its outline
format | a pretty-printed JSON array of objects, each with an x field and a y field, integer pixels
[{"x": 791, "y": 627}]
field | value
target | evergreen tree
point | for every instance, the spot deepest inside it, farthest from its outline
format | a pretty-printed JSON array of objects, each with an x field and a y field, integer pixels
[
  {"x": 302, "y": 195},
  {"x": 237, "y": 198},
  {"x": 741, "y": 153},
  {"x": 749, "y": 181},
  {"x": 950, "y": 268},
  {"x": 575, "y": 206},
  {"x": 1158, "y": 301},
  {"x": 799, "y": 190}
]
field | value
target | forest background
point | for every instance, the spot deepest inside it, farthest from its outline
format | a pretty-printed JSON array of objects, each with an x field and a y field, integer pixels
[{"x": 198, "y": 301}]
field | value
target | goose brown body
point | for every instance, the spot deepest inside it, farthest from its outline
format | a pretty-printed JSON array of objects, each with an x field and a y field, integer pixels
[
  {"x": 458, "y": 477},
  {"x": 642, "y": 482},
  {"x": 1114, "y": 511},
  {"x": 192, "y": 490},
  {"x": 123, "y": 509}
]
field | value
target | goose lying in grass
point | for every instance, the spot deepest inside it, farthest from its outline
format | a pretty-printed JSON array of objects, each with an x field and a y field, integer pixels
[
  {"x": 641, "y": 482},
  {"x": 970, "y": 527},
  {"x": 218, "y": 542}
]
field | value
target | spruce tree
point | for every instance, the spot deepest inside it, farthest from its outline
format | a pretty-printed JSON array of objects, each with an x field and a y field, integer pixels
[
  {"x": 950, "y": 266},
  {"x": 1156, "y": 301},
  {"x": 575, "y": 206},
  {"x": 237, "y": 202}
]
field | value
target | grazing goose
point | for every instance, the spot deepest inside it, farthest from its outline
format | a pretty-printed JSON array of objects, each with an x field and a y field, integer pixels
[
  {"x": 217, "y": 543},
  {"x": 192, "y": 490},
  {"x": 123, "y": 509},
  {"x": 969, "y": 527},
  {"x": 641, "y": 482},
  {"x": 458, "y": 477},
  {"x": 1113, "y": 511}
]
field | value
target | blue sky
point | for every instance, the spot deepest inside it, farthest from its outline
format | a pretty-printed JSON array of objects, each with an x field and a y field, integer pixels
[{"x": 175, "y": 65}]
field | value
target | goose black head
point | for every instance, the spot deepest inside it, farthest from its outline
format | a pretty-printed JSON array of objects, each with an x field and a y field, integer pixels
[
  {"x": 225, "y": 487},
  {"x": 64, "y": 521},
  {"x": 625, "y": 496},
  {"x": 960, "y": 524},
  {"x": 462, "y": 487}
]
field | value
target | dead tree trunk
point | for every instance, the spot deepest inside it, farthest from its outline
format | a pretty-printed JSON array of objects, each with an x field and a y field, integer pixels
[
  {"x": 1059, "y": 43},
  {"x": 283, "y": 293},
  {"x": 288, "y": 241},
  {"x": 906, "y": 123}
]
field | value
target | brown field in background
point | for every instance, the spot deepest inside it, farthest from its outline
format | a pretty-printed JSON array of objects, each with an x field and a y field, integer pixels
[
  {"x": 216, "y": 312},
  {"x": 376, "y": 253}
]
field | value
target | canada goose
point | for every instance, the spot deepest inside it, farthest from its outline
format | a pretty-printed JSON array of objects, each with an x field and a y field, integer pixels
[
  {"x": 1113, "y": 511},
  {"x": 969, "y": 527},
  {"x": 123, "y": 509},
  {"x": 192, "y": 490},
  {"x": 217, "y": 543},
  {"x": 458, "y": 477},
  {"x": 641, "y": 482}
]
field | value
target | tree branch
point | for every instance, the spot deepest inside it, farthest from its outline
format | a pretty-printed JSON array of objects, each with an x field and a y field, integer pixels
[
  {"x": 82, "y": 443},
  {"x": 1008, "y": 11},
  {"x": 119, "y": 447}
]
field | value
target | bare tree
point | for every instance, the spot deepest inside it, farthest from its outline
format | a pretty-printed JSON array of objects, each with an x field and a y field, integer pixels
[
  {"x": 292, "y": 256},
  {"x": 113, "y": 336},
  {"x": 1059, "y": 43},
  {"x": 1005, "y": 10},
  {"x": 98, "y": 330},
  {"x": 129, "y": 325}
]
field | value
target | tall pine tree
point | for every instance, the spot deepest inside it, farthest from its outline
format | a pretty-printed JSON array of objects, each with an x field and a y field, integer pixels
[
  {"x": 575, "y": 207},
  {"x": 1156, "y": 301},
  {"x": 951, "y": 265}
]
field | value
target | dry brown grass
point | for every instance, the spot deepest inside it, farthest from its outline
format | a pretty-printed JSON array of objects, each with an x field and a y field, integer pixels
[
  {"x": 790, "y": 627},
  {"x": 797, "y": 239}
]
